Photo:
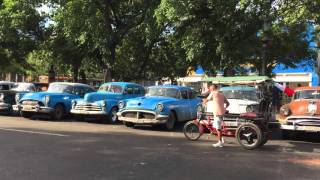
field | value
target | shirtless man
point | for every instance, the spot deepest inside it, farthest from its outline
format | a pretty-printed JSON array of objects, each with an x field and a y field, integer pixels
[{"x": 217, "y": 104}]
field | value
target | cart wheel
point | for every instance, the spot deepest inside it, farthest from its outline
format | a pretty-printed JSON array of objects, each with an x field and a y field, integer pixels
[
  {"x": 265, "y": 139},
  {"x": 191, "y": 131},
  {"x": 249, "y": 136}
]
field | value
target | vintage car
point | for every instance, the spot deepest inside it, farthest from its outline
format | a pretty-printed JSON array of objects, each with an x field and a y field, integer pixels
[
  {"x": 56, "y": 101},
  {"x": 302, "y": 113},
  {"x": 10, "y": 97},
  {"x": 164, "y": 105},
  {"x": 242, "y": 99},
  {"x": 6, "y": 85},
  {"x": 105, "y": 101}
]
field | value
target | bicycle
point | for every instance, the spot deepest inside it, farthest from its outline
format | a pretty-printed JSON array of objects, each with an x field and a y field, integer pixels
[{"x": 248, "y": 128}]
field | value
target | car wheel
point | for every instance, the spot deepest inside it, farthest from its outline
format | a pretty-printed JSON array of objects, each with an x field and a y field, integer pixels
[
  {"x": 113, "y": 118},
  {"x": 58, "y": 112},
  {"x": 25, "y": 114},
  {"x": 128, "y": 124},
  {"x": 171, "y": 122}
]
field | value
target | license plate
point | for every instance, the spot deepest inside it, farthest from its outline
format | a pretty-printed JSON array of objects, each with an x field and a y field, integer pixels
[{"x": 27, "y": 108}]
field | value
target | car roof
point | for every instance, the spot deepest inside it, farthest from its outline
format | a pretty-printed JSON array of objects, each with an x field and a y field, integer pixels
[
  {"x": 307, "y": 88},
  {"x": 120, "y": 83},
  {"x": 6, "y": 82},
  {"x": 72, "y": 84},
  {"x": 172, "y": 86},
  {"x": 237, "y": 88}
]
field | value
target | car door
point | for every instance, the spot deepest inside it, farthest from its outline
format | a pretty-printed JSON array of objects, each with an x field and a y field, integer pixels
[
  {"x": 184, "y": 106},
  {"x": 193, "y": 103}
]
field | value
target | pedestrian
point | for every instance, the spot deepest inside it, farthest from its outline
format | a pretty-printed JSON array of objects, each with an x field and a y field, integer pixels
[{"x": 217, "y": 104}]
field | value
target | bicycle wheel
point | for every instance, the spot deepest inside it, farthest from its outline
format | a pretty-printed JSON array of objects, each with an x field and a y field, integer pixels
[
  {"x": 191, "y": 131},
  {"x": 249, "y": 136}
]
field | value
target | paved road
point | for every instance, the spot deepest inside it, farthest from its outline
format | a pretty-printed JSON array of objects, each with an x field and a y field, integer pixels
[{"x": 34, "y": 149}]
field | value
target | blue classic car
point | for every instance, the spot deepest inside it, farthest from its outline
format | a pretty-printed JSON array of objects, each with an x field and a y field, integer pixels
[
  {"x": 105, "y": 101},
  {"x": 56, "y": 101},
  {"x": 164, "y": 105}
]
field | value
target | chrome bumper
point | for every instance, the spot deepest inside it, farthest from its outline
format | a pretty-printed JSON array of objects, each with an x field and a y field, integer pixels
[
  {"x": 301, "y": 128},
  {"x": 300, "y": 123},
  {"x": 84, "y": 112},
  {"x": 159, "y": 119},
  {"x": 5, "y": 106},
  {"x": 30, "y": 108}
]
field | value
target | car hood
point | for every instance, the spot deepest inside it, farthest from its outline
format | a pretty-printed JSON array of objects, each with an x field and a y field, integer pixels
[
  {"x": 98, "y": 96},
  {"x": 39, "y": 96},
  {"x": 147, "y": 102},
  {"x": 300, "y": 106}
]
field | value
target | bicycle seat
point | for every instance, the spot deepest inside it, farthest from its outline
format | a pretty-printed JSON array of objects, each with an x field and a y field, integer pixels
[{"x": 249, "y": 115}]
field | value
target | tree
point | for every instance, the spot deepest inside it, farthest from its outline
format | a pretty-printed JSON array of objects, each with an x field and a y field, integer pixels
[
  {"x": 224, "y": 34},
  {"x": 21, "y": 29}
]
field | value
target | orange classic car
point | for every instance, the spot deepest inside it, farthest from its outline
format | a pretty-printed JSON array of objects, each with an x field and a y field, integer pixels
[{"x": 303, "y": 112}]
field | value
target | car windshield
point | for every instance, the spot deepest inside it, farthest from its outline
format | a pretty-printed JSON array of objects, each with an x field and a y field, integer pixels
[
  {"x": 60, "y": 88},
  {"x": 307, "y": 94},
  {"x": 24, "y": 87},
  {"x": 4, "y": 87},
  {"x": 167, "y": 92},
  {"x": 111, "y": 88},
  {"x": 245, "y": 95}
]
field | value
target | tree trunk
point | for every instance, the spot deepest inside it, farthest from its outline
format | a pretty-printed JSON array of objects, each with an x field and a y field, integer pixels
[
  {"x": 75, "y": 69},
  {"x": 83, "y": 77}
]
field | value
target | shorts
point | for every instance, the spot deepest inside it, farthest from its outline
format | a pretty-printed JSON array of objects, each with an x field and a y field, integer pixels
[{"x": 217, "y": 122}]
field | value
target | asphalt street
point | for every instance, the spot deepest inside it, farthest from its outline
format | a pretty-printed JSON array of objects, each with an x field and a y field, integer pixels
[{"x": 67, "y": 150}]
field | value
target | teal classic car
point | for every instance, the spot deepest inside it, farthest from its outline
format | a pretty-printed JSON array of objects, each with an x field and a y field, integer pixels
[
  {"x": 164, "y": 105},
  {"x": 56, "y": 101},
  {"x": 105, "y": 101}
]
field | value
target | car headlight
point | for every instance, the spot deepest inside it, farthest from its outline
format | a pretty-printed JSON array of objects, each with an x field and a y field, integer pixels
[
  {"x": 249, "y": 108},
  {"x": 160, "y": 107},
  {"x": 17, "y": 98},
  {"x": 73, "y": 103},
  {"x": 46, "y": 100},
  {"x": 285, "y": 111},
  {"x": 1, "y": 96},
  {"x": 104, "y": 104},
  {"x": 121, "y": 105}
]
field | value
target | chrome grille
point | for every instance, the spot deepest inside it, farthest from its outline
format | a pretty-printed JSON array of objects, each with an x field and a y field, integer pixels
[
  {"x": 139, "y": 115},
  {"x": 31, "y": 103},
  {"x": 88, "y": 107}
]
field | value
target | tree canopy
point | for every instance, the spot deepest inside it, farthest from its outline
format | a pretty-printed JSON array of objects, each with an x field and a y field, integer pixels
[{"x": 149, "y": 39}]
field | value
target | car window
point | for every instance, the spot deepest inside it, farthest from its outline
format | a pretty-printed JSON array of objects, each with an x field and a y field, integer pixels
[
  {"x": 307, "y": 94},
  {"x": 191, "y": 94},
  {"x": 111, "y": 88},
  {"x": 4, "y": 87},
  {"x": 136, "y": 90},
  {"x": 129, "y": 90},
  {"x": 184, "y": 94}
]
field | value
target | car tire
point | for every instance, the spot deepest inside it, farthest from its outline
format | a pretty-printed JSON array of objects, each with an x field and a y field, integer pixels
[
  {"x": 58, "y": 112},
  {"x": 26, "y": 114},
  {"x": 128, "y": 124},
  {"x": 112, "y": 117},
  {"x": 171, "y": 122}
]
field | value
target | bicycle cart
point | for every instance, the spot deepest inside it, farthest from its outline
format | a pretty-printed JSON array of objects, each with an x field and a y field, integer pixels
[{"x": 250, "y": 129}]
